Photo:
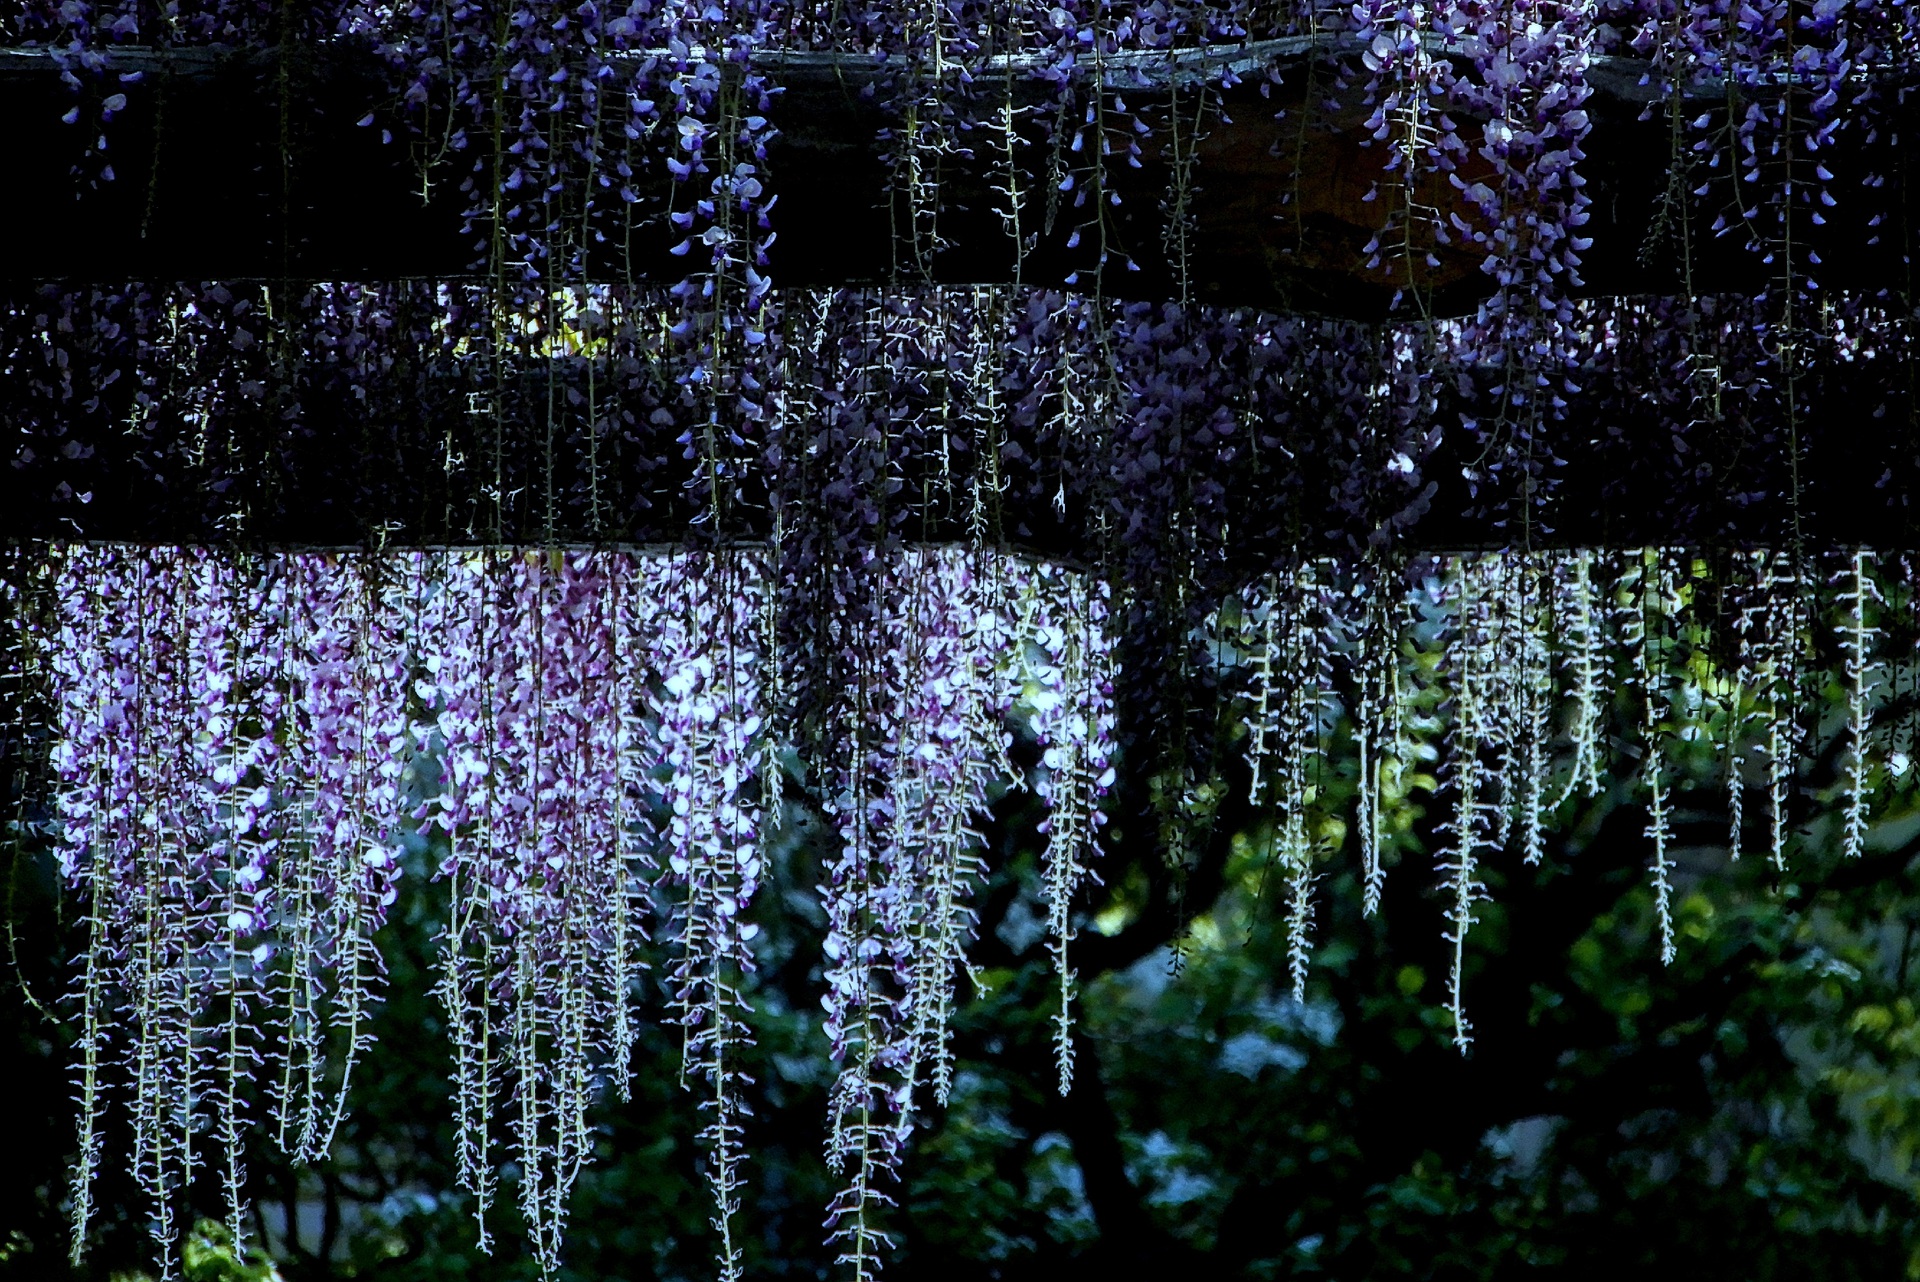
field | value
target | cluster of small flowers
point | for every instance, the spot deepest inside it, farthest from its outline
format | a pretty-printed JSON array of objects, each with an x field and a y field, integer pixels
[
  {"x": 1289, "y": 644},
  {"x": 706, "y": 706},
  {"x": 230, "y": 810},
  {"x": 1063, "y": 625},
  {"x": 1535, "y": 653},
  {"x": 245, "y": 744},
  {"x": 963, "y": 641},
  {"x": 527, "y": 696}
]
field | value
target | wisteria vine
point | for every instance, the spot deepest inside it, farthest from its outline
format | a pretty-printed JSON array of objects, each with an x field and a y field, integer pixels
[
  {"x": 244, "y": 743},
  {"x": 918, "y": 531}
]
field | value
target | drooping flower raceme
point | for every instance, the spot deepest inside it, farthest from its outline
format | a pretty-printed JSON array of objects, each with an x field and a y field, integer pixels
[
  {"x": 244, "y": 745},
  {"x": 1290, "y": 666},
  {"x": 338, "y": 670},
  {"x": 228, "y": 774},
  {"x": 701, "y": 616},
  {"x": 529, "y": 689},
  {"x": 915, "y": 790},
  {"x": 1068, "y": 683}
]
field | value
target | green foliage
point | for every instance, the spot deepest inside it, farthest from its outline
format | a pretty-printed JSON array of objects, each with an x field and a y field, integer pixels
[{"x": 210, "y": 1255}]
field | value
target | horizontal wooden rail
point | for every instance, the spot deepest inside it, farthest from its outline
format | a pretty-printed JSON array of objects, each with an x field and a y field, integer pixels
[{"x": 254, "y": 165}]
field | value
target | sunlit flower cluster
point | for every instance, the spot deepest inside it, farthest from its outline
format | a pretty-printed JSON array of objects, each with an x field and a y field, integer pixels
[{"x": 246, "y": 745}]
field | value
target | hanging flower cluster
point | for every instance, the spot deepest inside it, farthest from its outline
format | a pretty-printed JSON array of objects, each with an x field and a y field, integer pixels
[
  {"x": 706, "y": 704},
  {"x": 964, "y": 641},
  {"x": 622, "y": 142},
  {"x": 231, "y": 798},
  {"x": 245, "y": 742},
  {"x": 1018, "y": 417},
  {"x": 528, "y": 698},
  {"x": 1286, "y": 638},
  {"x": 1559, "y": 672}
]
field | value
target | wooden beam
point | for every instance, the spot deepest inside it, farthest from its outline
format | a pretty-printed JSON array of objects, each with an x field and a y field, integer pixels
[{"x": 254, "y": 165}]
